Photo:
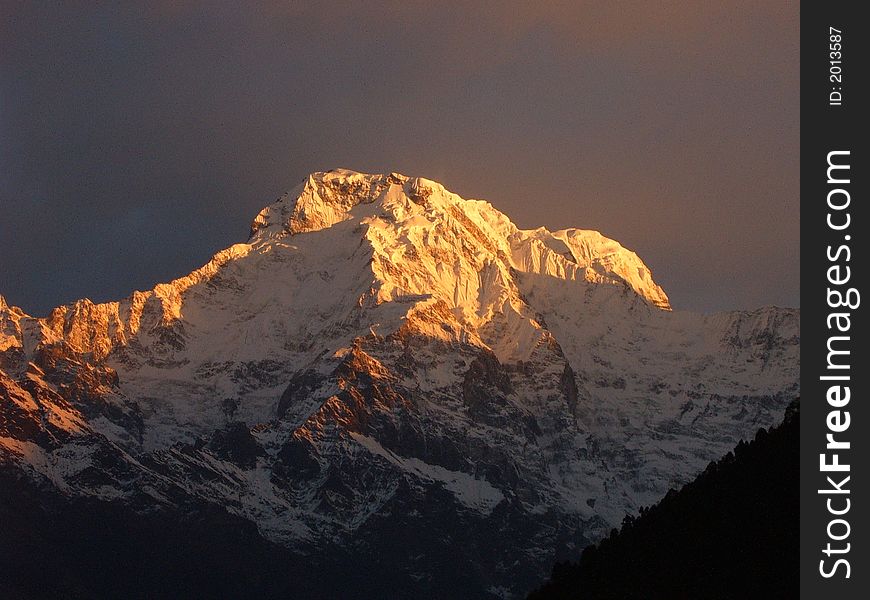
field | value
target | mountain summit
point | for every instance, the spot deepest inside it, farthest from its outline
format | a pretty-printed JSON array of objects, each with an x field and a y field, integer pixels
[
  {"x": 389, "y": 378},
  {"x": 410, "y": 215}
]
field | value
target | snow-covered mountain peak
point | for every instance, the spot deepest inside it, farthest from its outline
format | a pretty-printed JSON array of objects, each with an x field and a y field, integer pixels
[
  {"x": 401, "y": 211},
  {"x": 382, "y": 251},
  {"x": 320, "y": 201}
]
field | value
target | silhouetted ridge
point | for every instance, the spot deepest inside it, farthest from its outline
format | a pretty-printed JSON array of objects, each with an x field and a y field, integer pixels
[{"x": 731, "y": 533}]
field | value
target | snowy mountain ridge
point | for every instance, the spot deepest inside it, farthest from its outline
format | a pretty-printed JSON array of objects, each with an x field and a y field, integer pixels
[{"x": 378, "y": 345}]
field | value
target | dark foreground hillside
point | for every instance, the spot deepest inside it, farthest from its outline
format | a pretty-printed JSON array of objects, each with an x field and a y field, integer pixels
[
  {"x": 55, "y": 547},
  {"x": 731, "y": 533}
]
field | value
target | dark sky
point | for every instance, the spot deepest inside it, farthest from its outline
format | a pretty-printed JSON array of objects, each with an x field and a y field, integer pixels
[{"x": 136, "y": 142}]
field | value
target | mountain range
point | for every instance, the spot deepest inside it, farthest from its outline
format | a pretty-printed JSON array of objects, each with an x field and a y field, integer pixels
[{"x": 385, "y": 385}]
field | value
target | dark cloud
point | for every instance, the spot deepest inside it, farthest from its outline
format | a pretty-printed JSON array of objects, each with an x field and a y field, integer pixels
[{"x": 138, "y": 141}]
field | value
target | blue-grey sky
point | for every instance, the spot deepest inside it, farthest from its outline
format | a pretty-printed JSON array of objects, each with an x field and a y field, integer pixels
[{"x": 137, "y": 141}]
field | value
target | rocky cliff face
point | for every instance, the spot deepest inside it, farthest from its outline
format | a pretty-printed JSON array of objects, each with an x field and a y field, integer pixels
[{"x": 386, "y": 369}]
